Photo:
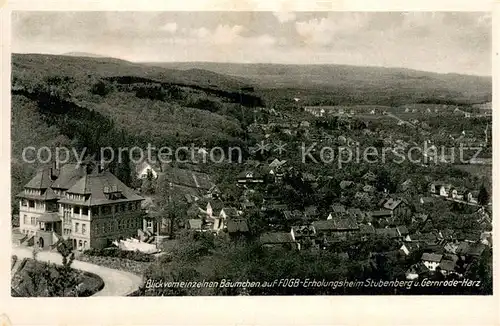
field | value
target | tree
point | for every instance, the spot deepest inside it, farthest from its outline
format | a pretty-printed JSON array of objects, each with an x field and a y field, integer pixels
[
  {"x": 62, "y": 281},
  {"x": 483, "y": 197}
]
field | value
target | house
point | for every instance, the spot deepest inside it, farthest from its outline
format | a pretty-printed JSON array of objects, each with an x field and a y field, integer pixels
[
  {"x": 431, "y": 260},
  {"x": 475, "y": 249},
  {"x": 294, "y": 216},
  {"x": 448, "y": 265},
  {"x": 409, "y": 247},
  {"x": 359, "y": 215},
  {"x": 344, "y": 184},
  {"x": 398, "y": 207},
  {"x": 415, "y": 271},
  {"x": 336, "y": 223},
  {"x": 440, "y": 189},
  {"x": 369, "y": 177},
  {"x": 381, "y": 214},
  {"x": 237, "y": 226},
  {"x": 226, "y": 214},
  {"x": 366, "y": 230},
  {"x": 91, "y": 209},
  {"x": 311, "y": 212},
  {"x": 278, "y": 239},
  {"x": 195, "y": 225},
  {"x": 250, "y": 177},
  {"x": 276, "y": 169},
  {"x": 428, "y": 238},
  {"x": 391, "y": 233},
  {"x": 302, "y": 232},
  {"x": 406, "y": 185},
  {"x": 147, "y": 168},
  {"x": 419, "y": 218},
  {"x": 337, "y": 208}
]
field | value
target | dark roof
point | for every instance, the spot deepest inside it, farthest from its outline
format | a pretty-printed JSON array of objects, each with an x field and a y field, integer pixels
[
  {"x": 388, "y": 232},
  {"x": 237, "y": 225},
  {"x": 195, "y": 224},
  {"x": 294, "y": 215},
  {"x": 381, "y": 213},
  {"x": 476, "y": 249},
  {"x": 324, "y": 225},
  {"x": 426, "y": 256},
  {"x": 303, "y": 230},
  {"x": 337, "y": 223},
  {"x": 41, "y": 180},
  {"x": 462, "y": 248},
  {"x": 94, "y": 186},
  {"x": 366, "y": 229},
  {"x": 69, "y": 174},
  {"x": 403, "y": 230},
  {"x": 276, "y": 238},
  {"x": 411, "y": 245},
  {"x": 311, "y": 210},
  {"x": 447, "y": 265},
  {"x": 231, "y": 212},
  {"x": 337, "y": 208},
  {"x": 48, "y": 194},
  {"x": 391, "y": 203}
]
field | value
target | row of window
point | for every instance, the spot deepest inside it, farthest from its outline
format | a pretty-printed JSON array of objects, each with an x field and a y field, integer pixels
[
  {"x": 112, "y": 226},
  {"x": 28, "y": 203},
  {"x": 27, "y": 220},
  {"x": 84, "y": 228},
  {"x": 101, "y": 210}
]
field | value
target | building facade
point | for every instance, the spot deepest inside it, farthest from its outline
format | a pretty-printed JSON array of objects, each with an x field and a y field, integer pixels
[{"x": 91, "y": 209}]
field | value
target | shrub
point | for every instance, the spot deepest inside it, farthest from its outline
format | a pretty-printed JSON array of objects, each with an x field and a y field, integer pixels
[{"x": 118, "y": 253}]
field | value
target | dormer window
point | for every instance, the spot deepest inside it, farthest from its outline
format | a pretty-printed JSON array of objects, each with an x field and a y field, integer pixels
[{"x": 112, "y": 192}]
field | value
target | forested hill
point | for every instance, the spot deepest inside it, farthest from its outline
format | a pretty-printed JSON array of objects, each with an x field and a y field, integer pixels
[
  {"x": 82, "y": 102},
  {"x": 333, "y": 84}
]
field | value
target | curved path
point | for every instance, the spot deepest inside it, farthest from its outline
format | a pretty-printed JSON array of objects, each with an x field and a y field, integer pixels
[{"x": 116, "y": 283}]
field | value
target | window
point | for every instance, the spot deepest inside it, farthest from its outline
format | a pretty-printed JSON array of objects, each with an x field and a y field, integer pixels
[
  {"x": 31, "y": 203},
  {"x": 24, "y": 203},
  {"x": 76, "y": 210},
  {"x": 25, "y": 219},
  {"x": 84, "y": 228},
  {"x": 85, "y": 211},
  {"x": 77, "y": 227},
  {"x": 150, "y": 224},
  {"x": 80, "y": 243},
  {"x": 33, "y": 220}
]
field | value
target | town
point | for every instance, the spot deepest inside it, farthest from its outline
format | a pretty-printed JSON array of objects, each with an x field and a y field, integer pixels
[{"x": 251, "y": 153}]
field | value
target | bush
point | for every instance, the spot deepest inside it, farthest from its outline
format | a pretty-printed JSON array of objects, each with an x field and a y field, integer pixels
[
  {"x": 118, "y": 253},
  {"x": 91, "y": 284}
]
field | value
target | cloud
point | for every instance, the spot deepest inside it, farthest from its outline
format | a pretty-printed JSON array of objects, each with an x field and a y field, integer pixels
[
  {"x": 284, "y": 16},
  {"x": 169, "y": 27},
  {"x": 323, "y": 31}
]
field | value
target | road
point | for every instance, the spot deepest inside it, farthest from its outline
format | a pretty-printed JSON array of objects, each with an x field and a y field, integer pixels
[{"x": 116, "y": 283}]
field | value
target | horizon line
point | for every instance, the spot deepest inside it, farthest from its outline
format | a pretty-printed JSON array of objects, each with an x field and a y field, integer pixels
[{"x": 103, "y": 56}]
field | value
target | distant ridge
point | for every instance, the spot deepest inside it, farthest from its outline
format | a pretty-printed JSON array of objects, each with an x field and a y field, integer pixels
[{"x": 83, "y": 54}]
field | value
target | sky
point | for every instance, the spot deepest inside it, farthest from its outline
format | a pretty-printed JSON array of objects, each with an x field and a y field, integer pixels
[{"x": 444, "y": 42}]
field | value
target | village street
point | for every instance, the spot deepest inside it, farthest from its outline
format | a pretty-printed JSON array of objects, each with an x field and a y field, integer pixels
[{"x": 116, "y": 283}]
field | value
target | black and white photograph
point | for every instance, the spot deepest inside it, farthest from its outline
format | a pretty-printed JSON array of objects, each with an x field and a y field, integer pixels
[{"x": 251, "y": 153}]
